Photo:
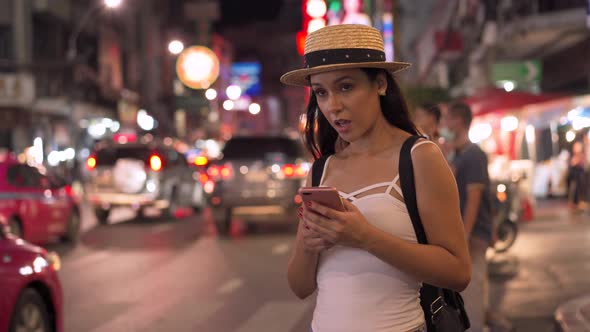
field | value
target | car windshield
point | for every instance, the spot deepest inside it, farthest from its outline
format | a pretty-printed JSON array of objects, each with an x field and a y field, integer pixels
[
  {"x": 261, "y": 148},
  {"x": 109, "y": 156}
]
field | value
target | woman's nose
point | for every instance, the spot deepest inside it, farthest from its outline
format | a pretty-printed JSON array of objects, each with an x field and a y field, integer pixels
[{"x": 334, "y": 104}]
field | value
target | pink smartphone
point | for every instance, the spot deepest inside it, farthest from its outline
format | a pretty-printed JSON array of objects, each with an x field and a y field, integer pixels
[{"x": 326, "y": 196}]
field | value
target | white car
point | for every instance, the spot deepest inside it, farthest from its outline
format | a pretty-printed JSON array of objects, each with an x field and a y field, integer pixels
[{"x": 141, "y": 176}]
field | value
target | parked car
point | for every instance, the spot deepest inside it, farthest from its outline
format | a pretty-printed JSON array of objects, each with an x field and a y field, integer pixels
[
  {"x": 31, "y": 292},
  {"x": 141, "y": 175},
  {"x": 38, "y": 207},
  {"x": 257, "y": 176}
]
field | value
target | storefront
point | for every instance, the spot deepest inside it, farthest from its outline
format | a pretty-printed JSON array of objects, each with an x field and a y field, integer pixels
[{"x": 533, "y": 140}]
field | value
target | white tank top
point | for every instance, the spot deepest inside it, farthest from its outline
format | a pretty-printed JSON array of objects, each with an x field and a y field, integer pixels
[{"x": 358, "y": 291}]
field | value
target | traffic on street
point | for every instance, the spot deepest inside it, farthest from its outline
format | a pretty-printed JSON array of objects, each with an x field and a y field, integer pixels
[{"x": 294, "y": 165}]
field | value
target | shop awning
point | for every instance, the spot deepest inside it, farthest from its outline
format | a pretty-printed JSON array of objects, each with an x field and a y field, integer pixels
[{"x": 499, "y": 100}]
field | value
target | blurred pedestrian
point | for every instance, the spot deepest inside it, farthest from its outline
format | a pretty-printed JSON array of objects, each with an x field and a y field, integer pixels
[
  {"x": 576, "y": 177},
  {"x": 366, "y": 263},
  {"x": 470, "y": 165},
  {"x": 427, "y": 118},
  {"x": 353, "y": 13}
]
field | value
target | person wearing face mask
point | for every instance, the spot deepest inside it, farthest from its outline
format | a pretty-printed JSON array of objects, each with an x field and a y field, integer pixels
[{"x": 470, "y": 166}]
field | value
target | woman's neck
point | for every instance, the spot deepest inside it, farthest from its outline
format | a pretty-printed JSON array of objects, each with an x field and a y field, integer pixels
[{"x": 376, "y": 140}]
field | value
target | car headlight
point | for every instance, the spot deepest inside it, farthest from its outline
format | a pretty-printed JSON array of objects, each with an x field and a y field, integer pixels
[{"x": 54, "y": 260}]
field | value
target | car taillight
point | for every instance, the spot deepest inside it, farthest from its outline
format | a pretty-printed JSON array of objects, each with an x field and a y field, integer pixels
[
  {"x": 91, "y": 163},
  {"x": 155, "y": 163},
  {"x": 69, "y": 191},
  {"x": 294, "y": 171},
  {"x": 220, "y": 172},
  {"x": 201, "y": 161}
]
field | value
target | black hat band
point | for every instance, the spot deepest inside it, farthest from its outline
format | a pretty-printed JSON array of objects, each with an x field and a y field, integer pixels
[{"x": 342, "y": 55}]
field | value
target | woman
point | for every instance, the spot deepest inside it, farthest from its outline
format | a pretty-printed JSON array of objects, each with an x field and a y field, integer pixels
[{"x": 366, "y": 263}]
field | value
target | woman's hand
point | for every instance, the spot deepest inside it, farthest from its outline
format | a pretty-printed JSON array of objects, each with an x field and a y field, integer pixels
[
  {"x": 348, "y": 228},
  {"x": 313, "y": 242}
]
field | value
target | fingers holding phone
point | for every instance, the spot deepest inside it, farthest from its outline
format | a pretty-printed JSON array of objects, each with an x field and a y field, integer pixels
[
  {"x": 336, "y": 220},
  {"x": 313, "y": 241}
]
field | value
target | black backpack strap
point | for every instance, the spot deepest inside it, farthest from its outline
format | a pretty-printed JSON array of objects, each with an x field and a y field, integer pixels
[
  {"x": 406, "y": 178},
  {"x": 317, "y": 169}
]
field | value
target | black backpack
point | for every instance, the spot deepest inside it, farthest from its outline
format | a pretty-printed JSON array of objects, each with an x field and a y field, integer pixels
[{"x": 443, "y": 309}]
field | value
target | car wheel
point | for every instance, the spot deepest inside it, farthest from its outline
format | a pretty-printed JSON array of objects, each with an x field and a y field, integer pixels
[
  {"x": 102, "y": 215},
  {"x": 170, "y": 211},
  {"x": 73, "y": 229},
  {"x": 222, "y": 218},
  {"x": 30, "y": 313},
  {"x": 15, "y": 227}
]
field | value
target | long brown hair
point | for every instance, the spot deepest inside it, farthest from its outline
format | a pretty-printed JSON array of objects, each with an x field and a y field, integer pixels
[{"x": 319, "y": 136}]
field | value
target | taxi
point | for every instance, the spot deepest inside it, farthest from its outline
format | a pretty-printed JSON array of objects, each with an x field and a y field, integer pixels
[
  {"x": 32, "y": 298},
  {"x": 37, "y": 207}
]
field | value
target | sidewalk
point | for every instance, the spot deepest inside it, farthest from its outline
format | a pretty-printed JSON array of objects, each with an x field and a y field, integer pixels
[{"x": 574, "y": 316}]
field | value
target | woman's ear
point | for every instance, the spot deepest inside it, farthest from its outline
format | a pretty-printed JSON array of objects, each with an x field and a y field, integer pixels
[{"x": 381, "y": 84}]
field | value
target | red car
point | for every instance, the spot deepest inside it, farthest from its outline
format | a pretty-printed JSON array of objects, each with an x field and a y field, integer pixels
[
  {"x": 36, "y": 206},
  {"x": 31, "y": 292}
]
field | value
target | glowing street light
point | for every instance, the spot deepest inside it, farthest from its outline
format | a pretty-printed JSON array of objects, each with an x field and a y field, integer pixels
[
  {"x": 228, "y": 105},
  {"x": 112, "y": 3},
  {"x": 254, "y": 108},
  {"x": 81, "y": 23},
  {"x": 210, "y": 94},
  {"x": 175, "y": 47},
  {"x": 233, "y": 92}
]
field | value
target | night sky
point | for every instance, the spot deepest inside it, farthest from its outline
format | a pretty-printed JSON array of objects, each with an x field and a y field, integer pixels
[{"x": 235, "y": 12}]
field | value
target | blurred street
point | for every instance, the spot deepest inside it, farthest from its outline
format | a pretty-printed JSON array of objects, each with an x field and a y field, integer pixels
[
  {"x": 548, "y": 265},
  {"x": 162, "y": 275},
  {"x": 136, "y": 137}
]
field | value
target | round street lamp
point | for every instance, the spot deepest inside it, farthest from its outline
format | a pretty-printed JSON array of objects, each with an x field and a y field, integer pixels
[
  {"x": 228, "y": 105},
  {"x": 233, "y": 92},
  {"x": 254, "y": 108},
  {"x": 211, "y": 94},
  {"x": 175, "y": 47},
  {"x": 112, "y": 3}
]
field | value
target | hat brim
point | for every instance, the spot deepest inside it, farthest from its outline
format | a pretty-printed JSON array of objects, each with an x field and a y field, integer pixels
[{"x": 300, "y": 77}]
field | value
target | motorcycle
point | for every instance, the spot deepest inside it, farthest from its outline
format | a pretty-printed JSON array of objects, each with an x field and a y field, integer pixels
[{"x": 507, "y": 212}]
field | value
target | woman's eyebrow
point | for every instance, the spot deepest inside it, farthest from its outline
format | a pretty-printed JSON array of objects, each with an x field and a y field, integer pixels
[{"x": 335, "y": 81}]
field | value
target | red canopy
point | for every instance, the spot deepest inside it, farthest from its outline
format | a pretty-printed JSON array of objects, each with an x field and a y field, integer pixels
[{"x": 498, "y": 100}]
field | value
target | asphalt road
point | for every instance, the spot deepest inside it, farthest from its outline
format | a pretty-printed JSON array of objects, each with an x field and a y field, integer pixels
[{"x": 178, "y": 275}]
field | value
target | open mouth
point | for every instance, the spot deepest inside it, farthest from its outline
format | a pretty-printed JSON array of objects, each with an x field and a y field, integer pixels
[{"x": 342, "y": 124}]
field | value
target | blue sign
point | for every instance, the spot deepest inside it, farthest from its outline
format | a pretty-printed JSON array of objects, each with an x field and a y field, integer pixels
[{"x": 246, "y": 75}]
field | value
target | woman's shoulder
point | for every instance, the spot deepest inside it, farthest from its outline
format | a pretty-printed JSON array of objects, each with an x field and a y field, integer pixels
[{"x": 427, "y": 152}]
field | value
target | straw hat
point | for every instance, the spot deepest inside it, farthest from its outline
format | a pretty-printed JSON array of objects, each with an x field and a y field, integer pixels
[{"x": 339, "y": 47}]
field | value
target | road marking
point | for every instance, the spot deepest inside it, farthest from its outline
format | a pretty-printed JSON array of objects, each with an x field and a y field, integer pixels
[
  {"x": 161, "y": 228},
  {"x": 276, "y": 316},
  {"x": 230, "y": 286},
  {"x": 87, "y": 260},
  {"x": 280, "y": 249}
]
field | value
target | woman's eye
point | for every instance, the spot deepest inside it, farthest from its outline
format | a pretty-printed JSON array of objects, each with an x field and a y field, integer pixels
[
  {"x": 320, "y": 92},
  {"x": 346, "y": 87}
]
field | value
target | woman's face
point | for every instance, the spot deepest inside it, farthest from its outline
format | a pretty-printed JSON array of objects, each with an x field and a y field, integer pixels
[{"x": 349, "y": 100}]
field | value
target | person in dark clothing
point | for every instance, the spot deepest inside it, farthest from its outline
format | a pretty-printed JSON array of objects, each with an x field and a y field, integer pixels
[
  {"x": 470, "y": 166},
  {"x": 576, "y": 176}
]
